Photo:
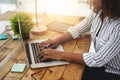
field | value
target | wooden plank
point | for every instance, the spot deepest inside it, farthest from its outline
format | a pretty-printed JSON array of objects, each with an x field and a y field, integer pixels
[
  {"x": 8, "y": 48},
  {"x": 10, "y": 59},
  {"x": 74, "y": 71},
  {"x": 54, "y": 73},
  {"x": 17, "y": 76},
  {"x": 2, "y": 42},
  {"x": 28, "y": 74},
  {"x": 34, "y": 74}
]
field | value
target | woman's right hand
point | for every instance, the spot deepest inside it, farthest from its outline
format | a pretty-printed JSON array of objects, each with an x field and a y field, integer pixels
[{"x": 50, "y": 43}]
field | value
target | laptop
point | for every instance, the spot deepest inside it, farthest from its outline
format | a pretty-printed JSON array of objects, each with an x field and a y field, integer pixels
[{"x": 32, "y": 49}]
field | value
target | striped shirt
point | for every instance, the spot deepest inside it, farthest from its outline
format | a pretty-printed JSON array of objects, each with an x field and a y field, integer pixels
[{"x": 106, "y": 44}]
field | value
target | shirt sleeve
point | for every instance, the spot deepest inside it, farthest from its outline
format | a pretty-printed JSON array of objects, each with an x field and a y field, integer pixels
[
  {"x": 81, "y": 27},
  {"x": 106, "y": 53}
]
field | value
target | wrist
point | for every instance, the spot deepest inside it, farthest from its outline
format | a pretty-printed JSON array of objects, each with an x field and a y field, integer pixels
[
  {"x": 57, "y": 41},
  {"x": 63, "y": 56}
]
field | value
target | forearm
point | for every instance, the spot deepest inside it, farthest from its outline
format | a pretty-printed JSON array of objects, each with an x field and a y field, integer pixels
[
  {"x": 73, "y": 57},
  {"x": 64, "y": 37},
  {"x": 74, "y": 32}
]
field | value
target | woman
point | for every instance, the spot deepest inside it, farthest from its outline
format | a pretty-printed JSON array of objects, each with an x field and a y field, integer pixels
[{"x": 104, "y": 25}]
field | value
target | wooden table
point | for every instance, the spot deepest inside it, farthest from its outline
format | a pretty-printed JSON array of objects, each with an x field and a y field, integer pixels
[{"x": 12, "y": 51}]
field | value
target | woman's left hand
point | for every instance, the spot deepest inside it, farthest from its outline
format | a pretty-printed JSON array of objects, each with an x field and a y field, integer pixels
[{"x": 51, "y": 54}]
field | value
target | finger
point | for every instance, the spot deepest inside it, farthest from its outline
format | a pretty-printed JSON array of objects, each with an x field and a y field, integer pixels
[
  {"x": 42, "y": 52},
  {"x": 44, "y": 58},
  {"x": 43, "y": 55},
  {"x": 53, "y": 46},
  {"x": 45, "y": 45},
  {"x": 42, "y": 45}
]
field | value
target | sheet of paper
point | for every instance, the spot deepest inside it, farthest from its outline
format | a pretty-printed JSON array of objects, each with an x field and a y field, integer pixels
[{"x": 4, "y": 25}]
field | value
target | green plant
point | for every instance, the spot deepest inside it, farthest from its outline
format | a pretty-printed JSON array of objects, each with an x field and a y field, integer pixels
[{"x": 26, "y": 23}]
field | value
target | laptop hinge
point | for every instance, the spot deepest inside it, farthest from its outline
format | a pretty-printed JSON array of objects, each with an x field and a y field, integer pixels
[{"x": 28, "y": 53}]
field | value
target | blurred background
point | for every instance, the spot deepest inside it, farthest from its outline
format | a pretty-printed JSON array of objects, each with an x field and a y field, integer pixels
[{"x": 61, "y": 7}]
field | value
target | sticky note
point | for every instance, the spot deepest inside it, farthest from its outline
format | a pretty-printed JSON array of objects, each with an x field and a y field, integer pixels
[
  {"x": 18, "y": 68},
  {"x": 3, "y": 36},
  {"x": 14, "y": 37}
]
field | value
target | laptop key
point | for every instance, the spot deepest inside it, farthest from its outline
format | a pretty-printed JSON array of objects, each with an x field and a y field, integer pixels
[
  {"x": 37, "y": 53},
  {"x": 34, "y": 52}
]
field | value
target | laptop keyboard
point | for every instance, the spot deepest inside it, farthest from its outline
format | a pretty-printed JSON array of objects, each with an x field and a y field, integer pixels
[{"x": 36, "y": 53}]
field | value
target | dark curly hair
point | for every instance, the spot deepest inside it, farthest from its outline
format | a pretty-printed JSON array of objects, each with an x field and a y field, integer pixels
[{"x": 112, "y": 7}]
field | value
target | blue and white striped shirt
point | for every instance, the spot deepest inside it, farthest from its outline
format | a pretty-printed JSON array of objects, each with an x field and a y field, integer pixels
[{"x": 107, "y": 43}]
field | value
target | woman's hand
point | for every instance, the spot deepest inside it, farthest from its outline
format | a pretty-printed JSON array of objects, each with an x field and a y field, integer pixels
[
  {"x": 50, "y": 43},
  {"x": 53, "y": 43},
  {"x": 66, "y": 56},
  {"x": 51, "y": 54}
]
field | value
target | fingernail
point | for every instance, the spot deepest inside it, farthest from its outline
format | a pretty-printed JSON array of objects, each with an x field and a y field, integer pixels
[{"x": 48, "y": 45}]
